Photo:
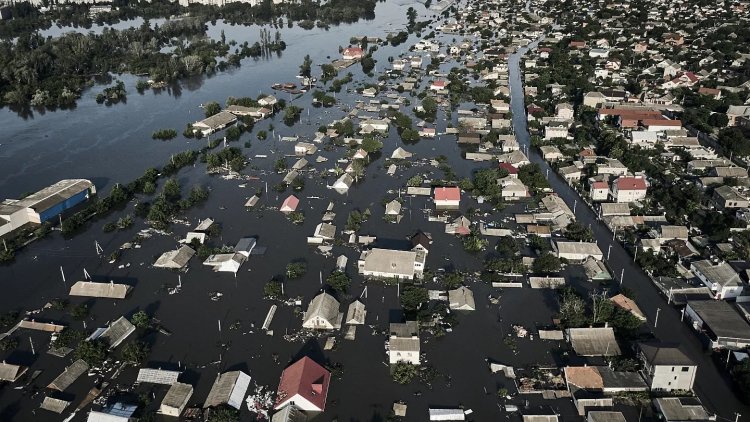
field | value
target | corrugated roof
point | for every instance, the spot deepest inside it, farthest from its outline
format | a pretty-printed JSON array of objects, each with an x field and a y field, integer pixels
[
  {"x": 223, "y": 388},
  {"x": 117, "y": 332},
  {"x": 54, "y": 405},
  {"x": 175, "y": 259},
  {"x": 178, "y": 395},
  {"x": 594, "y": 341},
  {"x": 323, "y": 306},
  {"x": 157, "y": 376},
  {"x": 69, "y": 375}
]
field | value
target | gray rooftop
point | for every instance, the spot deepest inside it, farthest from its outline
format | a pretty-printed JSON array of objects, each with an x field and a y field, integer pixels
[
  {"x": 657, "y": 353},
  {"x": 681, "y": 409},
  {"x": 721, "y": 318},
  {"x": 54, "y": 405},
  {"x": 178, "y": 394},
  {"x": 103, "y": 290},
  {"x": 69, "y": 375},
  {"x": 593, "y": 341},
  {"x": 117, "y": 332},
  {"x": 157, "y": 376}
]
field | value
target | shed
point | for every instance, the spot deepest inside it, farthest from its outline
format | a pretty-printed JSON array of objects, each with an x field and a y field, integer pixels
[
  {"x": 596, "y": 270},
  {"x": 69, "y": 375},
  {"x": 229, "y": 388},
  {"x": 252, "y": 201},
  {"x": 176, "y": 399},
  {"x": 157, "y": 376},
  {"x": 355, "y": 315},
  {"x": 101, "y": 290},
  {"x": 289, "y": 413},
  {"x": 447, "y": 415}
]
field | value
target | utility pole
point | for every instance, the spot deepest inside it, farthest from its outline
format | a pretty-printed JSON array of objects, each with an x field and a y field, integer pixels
[
  {"x": 575, "y": 203},
  {"x": 609, "y": 250},
  {"x": 656, "y": 320},
  {"x": 622, "y": 275},
  {"x": 737, "y": 417}
]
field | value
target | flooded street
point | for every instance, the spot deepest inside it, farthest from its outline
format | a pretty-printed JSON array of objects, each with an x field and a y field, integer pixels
[{"x": 113, "y": 145}]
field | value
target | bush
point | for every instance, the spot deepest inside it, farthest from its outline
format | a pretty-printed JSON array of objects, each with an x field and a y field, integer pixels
[
  {"x": 164, "y": 134},
  {"x": 295, "y": 270},
  {"x": 403, "y": 373},
  {"x": 92, "y": 352},
  {"x": 140, "y": 319},
  {"x": 273, "y": 290},
  {"x": 339, "y": 281},
  {"x": 135, "y": 352},
  {"x": 412, "y": 297}
]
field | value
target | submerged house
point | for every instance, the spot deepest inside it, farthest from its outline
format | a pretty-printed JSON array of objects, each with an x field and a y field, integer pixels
[
  {"x": 229, "y": 388},
  {"x": 323, "y": 313},
  {"x": 100, "y": 290},
  {"x": 176, "y": 259},
  {"x": 214, "y": 123},
  {"x": 303, "y": 384},
  {"x": 389, "y": 263}
]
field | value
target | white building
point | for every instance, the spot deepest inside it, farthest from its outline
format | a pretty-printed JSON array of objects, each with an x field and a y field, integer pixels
[
  {"x": 403, "y": 343},
  {"x": 323, "y": 313},
  {"x": 388, "y": 263},
  {"x": 577, "y": 251},
  {"x": 666, "y": 367}
]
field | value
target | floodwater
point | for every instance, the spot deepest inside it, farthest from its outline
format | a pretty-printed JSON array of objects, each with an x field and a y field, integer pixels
[{"x": 112, "y": 144}]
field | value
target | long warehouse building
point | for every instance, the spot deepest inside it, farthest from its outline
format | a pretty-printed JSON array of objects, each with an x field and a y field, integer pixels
[{"x": 44, "y": 205}]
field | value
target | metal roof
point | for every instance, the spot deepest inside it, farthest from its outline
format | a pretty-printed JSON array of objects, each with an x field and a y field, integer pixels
[
  {"x": 175, "y": 259},
  {"x": 178, "y": 395},
  {"x": 54, "y": 405},
  {"x": 157, "y": 376},
  {"x": 593, "y": 341},
  {"x": 117, "y": 332}
]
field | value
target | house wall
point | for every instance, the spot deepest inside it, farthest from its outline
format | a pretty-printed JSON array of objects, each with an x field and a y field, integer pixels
[
  {"x": 58, "y": 208},
  {"x": 403, "y": 356},
  {"x": 442, "y": 204},
  {"x": 671, "y": 378},
  {"x": 599, "y": 194},
  {"x": 628, "y": 195}
]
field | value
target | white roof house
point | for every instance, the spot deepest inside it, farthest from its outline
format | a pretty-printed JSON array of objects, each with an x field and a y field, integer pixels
[
  {"x": 343, "y": 183},
  {"x": 393, "y": 208},
  {"x": 226, "y": 262},
  {"x": 388, "y": 263},
  {"x": 461, "y": 299},
  {"x": 323, "y": 313},
  {"x": 577, "y": 251}
]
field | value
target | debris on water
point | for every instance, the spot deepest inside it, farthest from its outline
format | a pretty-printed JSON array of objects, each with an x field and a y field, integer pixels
[
  {"x": 215, "y": 295},
  {"x": 521, "y": 332},
  {"x": 260, "y": 402}
]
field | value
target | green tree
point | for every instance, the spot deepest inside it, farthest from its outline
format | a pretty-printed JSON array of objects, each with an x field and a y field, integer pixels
[
  {"x": 306, "y": 66},
  {"x": 140, "y": 319},
  {"x": 371, "y": 144},
  {"x": 224, "y": 414},
  {"x": 92, "y": 352},
  {"x": 577, "y": 232},
  {"x": 339, "y": 281},
  {"x": 273, "y": 290},
  {"x": 172, "y": 190},
  {"x": 403, "y": 372},
  {"x": 572, "y": 309},
  {"x": 135, "y": 352},
  {"x": 546, "y": 264},
  {"x": 295, "y": 269},
  {"x": 368, "y": 64},
  {"x": 412, "y": 297},
  {"x": 453, "y": 280},
  {"x": 211, "y": 108},
  {"x": 79, "y": 311}
]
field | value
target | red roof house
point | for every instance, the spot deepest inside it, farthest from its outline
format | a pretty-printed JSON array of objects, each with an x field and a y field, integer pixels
[
  {"x": 290, "y": 204},
  {"x": 352, "y": 53},
  {"x": 512, "y": 171},
  {"x": 304, "y": 384},
  {"x": 447, "y": 197},
  {"x": 629, "y": 189}
]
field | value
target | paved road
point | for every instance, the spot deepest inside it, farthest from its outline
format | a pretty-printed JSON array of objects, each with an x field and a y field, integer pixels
[{"x": 711, "y": 386}]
